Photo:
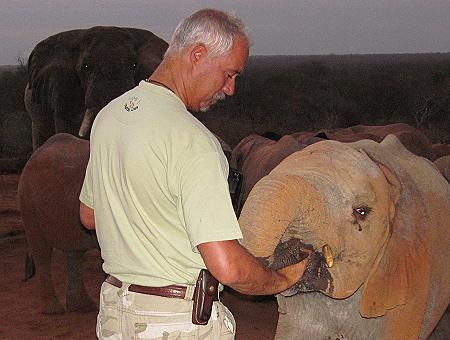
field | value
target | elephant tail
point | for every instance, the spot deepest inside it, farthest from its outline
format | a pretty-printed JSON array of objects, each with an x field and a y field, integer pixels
[{"x": 30, "y": 268}]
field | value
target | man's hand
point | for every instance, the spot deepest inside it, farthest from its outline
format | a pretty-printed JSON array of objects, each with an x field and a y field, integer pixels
[
  {"x": 87, "y": 216},
  {"x": 294, "y": 272},
  {"x": 234, "y": 266}
]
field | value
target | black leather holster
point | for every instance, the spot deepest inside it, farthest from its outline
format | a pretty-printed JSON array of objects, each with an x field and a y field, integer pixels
[
  {"x": 206, "y": 292},
  {"x": 236, "y": 185}
]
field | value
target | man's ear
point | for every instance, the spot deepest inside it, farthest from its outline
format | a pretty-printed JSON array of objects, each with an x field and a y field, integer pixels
[{"x": 198, "y": 53}]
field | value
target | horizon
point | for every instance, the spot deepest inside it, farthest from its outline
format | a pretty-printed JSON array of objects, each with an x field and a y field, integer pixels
[{"x": 307, "y": 55}]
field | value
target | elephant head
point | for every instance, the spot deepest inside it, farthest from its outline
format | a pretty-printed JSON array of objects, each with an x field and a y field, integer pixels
[
  {"x": 378, "y": 220},
  {"x": 73, "y": 74}
]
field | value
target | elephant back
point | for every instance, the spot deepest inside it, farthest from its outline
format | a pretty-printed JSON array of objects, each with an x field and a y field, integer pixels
[{"x": 48, "y": 192}]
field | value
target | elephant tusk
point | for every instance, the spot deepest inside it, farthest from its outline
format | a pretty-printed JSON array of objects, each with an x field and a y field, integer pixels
[
  {"x": 86, "y": 123},
  {"x": 326, "y": 250}
]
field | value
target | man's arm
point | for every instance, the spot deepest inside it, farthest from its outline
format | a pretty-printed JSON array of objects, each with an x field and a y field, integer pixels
[
  {"x": 87, "y": 216},
  {"x": 232, "y": 264}
]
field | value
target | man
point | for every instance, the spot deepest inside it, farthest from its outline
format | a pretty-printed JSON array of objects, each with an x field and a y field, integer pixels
[{"x": 156, "y": 191}]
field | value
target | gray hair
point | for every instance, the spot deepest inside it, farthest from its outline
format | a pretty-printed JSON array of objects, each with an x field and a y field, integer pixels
[{"x": 212, "y": 28}]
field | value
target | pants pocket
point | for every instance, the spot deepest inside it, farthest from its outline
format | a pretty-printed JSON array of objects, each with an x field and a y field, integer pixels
[
  {"x": 156, "y": 331},
  {"x": 227, "y": 322}
]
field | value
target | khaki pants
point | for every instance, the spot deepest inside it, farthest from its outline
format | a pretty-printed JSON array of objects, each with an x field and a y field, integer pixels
[{"x": 128, "y": 315}]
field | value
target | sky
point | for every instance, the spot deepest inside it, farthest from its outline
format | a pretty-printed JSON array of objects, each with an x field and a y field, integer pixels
[{"x": 277, "y": 27}]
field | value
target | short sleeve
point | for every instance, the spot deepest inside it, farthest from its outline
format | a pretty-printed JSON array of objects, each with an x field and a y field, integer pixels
[
  {"x": 205, "y": 201},
  {"x": 86, "y": 194}
]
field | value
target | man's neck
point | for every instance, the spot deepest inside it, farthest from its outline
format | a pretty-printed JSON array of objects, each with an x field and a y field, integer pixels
[{"x": 169, "y": 74}]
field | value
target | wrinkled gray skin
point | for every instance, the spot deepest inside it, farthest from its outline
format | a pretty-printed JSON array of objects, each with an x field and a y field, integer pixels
[
  {"x": 48, "y": 194},
  {"x": 73, "y": 74}
]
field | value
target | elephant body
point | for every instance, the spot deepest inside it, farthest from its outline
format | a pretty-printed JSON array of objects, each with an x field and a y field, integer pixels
[
  {"x": 412, "y": 139},
  {"x": 441, "y": 150},
  {"x": 443, "y": 164},
  {"x": 73, "y": 74},
  {"x": 255, "y": 156},
  {"x": 377, "y": 218},
  {"x": 320, "y": 317},
  {"x": 48, "y": 192}
]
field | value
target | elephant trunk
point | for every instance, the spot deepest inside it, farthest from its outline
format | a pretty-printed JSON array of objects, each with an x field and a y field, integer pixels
[{"x": 271, "y": 221}]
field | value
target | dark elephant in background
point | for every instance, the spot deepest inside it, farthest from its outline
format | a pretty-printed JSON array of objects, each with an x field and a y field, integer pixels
[
  {"x": 73, "y": 74},
  {"x": 441, "y": 149},
  {"x": 255, "y": 156},
  {"x": 48, "y": 192},
  {"x": 443, "y": 164}
]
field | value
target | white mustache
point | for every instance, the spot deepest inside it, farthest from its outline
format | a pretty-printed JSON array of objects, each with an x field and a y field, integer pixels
[
  {"x": 215, "y": 98},
  {"x": 219, "y": 96}
]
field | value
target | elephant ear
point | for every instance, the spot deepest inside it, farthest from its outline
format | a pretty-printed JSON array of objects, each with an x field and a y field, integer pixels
[
  {"x": 52, "y": 61},
  {"x": 150, "y": 52},
  {"x": 401, "y": 276}
]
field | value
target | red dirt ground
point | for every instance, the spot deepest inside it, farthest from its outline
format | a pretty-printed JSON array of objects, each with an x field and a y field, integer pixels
[{"x": 20, "y": 301}]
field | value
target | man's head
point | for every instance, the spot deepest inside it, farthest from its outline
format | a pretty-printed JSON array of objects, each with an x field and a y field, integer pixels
[
  {"x": 213, "y": 47},
  {"x": 216, "y": 30}
]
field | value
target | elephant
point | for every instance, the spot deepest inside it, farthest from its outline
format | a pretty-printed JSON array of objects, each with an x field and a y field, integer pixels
[
  {"x": 73, "y": 74},
  {"x": 255, "y": 156},
  {"x": 48, "y": 200},
  {"x": 377, "y": 220},
  {"x": 413, "y": 139},
  {"x": 443, "y": 164},
  {"x": 441, "y": 149}
]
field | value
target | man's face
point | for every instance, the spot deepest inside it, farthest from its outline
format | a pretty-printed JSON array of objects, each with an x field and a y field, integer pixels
[{"x": 217, "y": 76}]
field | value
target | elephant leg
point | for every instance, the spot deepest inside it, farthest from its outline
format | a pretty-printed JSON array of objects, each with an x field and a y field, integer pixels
[
  {"x": 43, "y": 260},
  {"x": 77, "y": 299}
]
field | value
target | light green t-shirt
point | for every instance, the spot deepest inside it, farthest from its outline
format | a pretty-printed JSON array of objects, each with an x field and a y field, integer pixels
[{"x": 157, "y": 181}]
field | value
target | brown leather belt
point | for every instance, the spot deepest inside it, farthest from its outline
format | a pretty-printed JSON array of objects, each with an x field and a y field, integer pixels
[{"x": 172, "y": 291}]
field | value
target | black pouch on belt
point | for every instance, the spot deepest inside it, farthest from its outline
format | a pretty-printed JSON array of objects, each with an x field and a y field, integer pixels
[{"x": 205, "y": 293}]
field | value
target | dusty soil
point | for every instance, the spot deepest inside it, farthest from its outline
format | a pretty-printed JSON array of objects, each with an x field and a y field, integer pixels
[{"x": 19, "y": 307}]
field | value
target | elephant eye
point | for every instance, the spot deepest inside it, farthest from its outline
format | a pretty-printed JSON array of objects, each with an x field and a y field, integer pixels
[
  {"x": 85, "y": 67},
  {"x": 360, "y": 213},
  {"x": 134, "y": 66}
]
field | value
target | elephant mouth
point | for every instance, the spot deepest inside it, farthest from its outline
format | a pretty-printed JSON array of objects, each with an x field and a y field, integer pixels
[{"x": 316, "y": 277}]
